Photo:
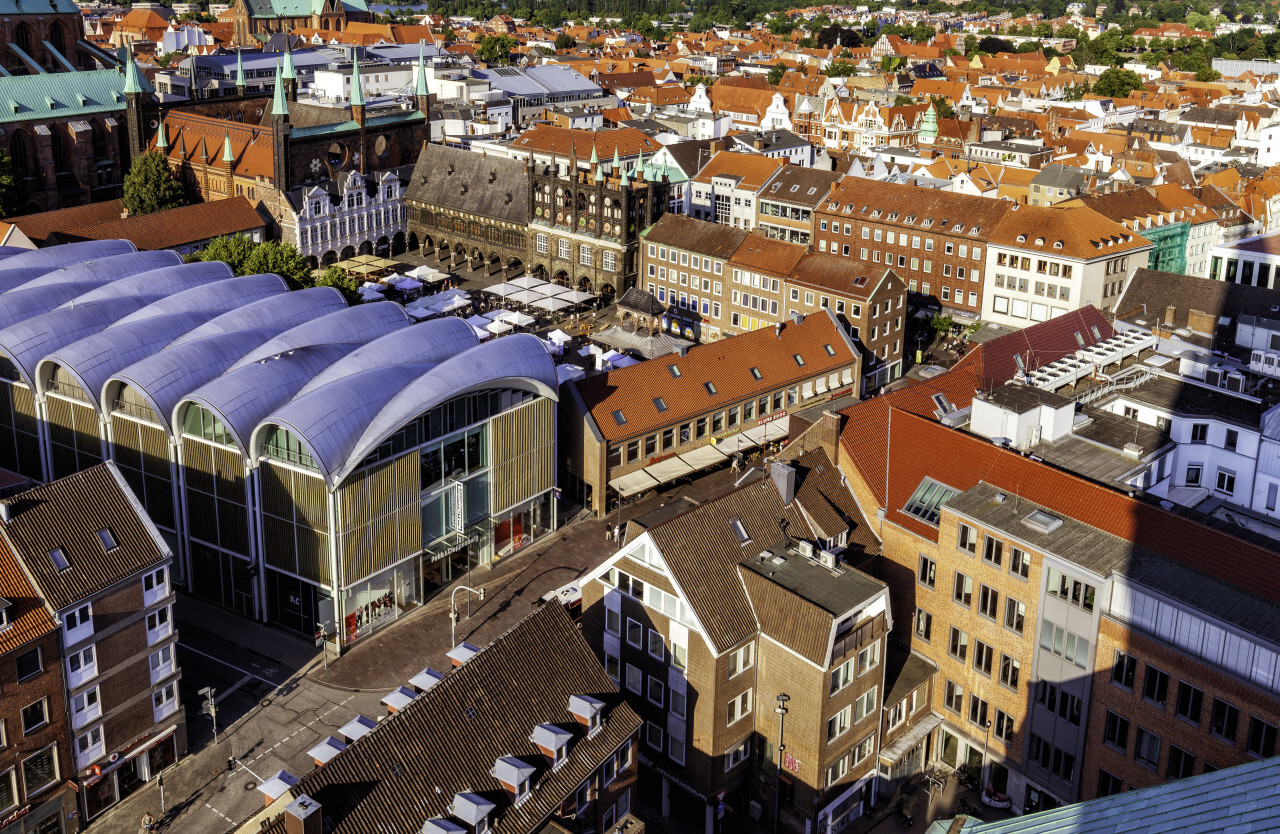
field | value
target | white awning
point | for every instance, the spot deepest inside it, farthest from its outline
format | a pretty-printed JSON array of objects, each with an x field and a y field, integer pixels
[
  {"x": 846, "y": 377},
  {"x": 806, "y": 391},
  {"x": 821, "y": 384},
  {"x": 735, "y": 443},
  {"x": 669, "y": 469},
  {"x": 704, "y": 456},
  {"x": 633, "y": 483},
  {"x": 771, "y": 431},
  {"x": 910, "y": 738}
]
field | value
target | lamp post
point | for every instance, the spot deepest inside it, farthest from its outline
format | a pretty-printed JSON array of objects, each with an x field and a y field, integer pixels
[
  {"x": 982, "y": 781},
  {"x": 453, "y": 611},
  {"x": 781, "y": 710}
]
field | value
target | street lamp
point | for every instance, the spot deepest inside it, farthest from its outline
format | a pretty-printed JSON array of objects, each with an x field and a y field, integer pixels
[
  {"x": 982, "y": 781},
  {"x": 781, "y": 710},
  {"x": 453, "y": 611}
]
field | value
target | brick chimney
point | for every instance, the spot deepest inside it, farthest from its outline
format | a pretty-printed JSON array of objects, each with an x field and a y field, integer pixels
[
  {"x": 1169, "y": 313},
  {"x": 303, "y": 816}
]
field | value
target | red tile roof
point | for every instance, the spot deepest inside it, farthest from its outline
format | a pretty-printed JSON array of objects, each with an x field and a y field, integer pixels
[{"x": 174, "y": 227}]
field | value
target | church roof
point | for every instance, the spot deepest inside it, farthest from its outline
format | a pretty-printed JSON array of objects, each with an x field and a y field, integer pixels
[
  {"x": 471, "y": 183},
  {"x": 63, "y": 95}
]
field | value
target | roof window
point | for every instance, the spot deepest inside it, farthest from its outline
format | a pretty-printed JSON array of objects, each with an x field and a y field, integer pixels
[
  {"x": 675, "y": 371},
  {"x": 1079, "y": 339},
  {"x": 5, "y": 620},
  {"x": 829, "y": 349},
  {"x": 1042, "y": 522},
  {"x": 711, "y": 388},
  {"x": 927, "y": 499},
  {"x": 1096, "y": 334},
  {"x": 59, "y": 559},
  {"x": 619, "y": 418},
  {"x": 660, "y": 404},
  {"x": 755, "y": 373},
  {"x": 799, "y": 359},
  {"x": 739, "y": 531},
  {"x": 107, "y": 540}
]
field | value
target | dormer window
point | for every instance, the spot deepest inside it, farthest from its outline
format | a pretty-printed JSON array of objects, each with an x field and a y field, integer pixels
[
  {"x": 589, "y": 712},
  {"x": 59, "y": 559},
  {"x": 553, "y": 742},
  {"x": 473, "y": 810},
  {"x": 5, "y": 608},
  {"x": 515, "y": 775}
]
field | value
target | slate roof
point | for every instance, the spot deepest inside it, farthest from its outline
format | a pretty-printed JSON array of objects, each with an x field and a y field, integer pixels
[
  {"x": 1149, "y": 292},
  {"x": 642, "y": 302},
  {"x": 447, "y": 739},
  {"x": 726, "y": 364},
  {"x": 68, "y": 514},
  {"x": 472, "y": 183},
  {"x": 821, "y": 270},
  {"x": 798, "y": 185},
  {"x": 683, "y": 232},
  {"x": 62, "y": 95}
]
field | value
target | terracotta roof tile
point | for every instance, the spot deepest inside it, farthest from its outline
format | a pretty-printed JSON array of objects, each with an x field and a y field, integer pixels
[
  {"x": 852, "y": 278},
  {"x": 724, "y": 365},
  {"x": 545, "y": 138},
  {"x": 173, "y": 227},
  {"x": 764, "y": 254},
  {"x": 751, "y": 170},
  {"x": 28, "y": 618},
  {"x": 1082, "y": 232}
]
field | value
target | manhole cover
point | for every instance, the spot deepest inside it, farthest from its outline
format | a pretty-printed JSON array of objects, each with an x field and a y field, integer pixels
[{"x": 248, "y": 786}]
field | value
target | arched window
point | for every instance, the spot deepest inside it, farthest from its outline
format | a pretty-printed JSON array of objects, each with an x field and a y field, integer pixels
[
  {"x": 23, "y": 38},
  {"x": 20, "y": 151},
  {"x": 58, "y": 38}
]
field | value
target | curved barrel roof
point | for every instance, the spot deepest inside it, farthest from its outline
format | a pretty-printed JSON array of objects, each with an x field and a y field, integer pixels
[
  {"x": 160, "y": 282},
  {"x": 345, "y": 420},
  {"x": 56, "y": 257},
  {"x": 186, "y": 363},
  {"x": 53, "y": 289},
  {"x": 108, "y": 269},
  {"x": 356, "y": 325},
  {"x": 93, "y": 359},
  {"x": 432, "y": 341}
]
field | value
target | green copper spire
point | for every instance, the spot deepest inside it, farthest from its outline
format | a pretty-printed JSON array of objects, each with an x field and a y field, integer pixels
[
  {"x": 615, "y": 158},
  {"x": 625, "y": 179},
  {"x": 289, "y": 72},
  {"x": 420, "y": 75},
  {"x": 929, "y": 127},
  {"x": 357, "y": 88},
  {"x": 599, "y": 174},
  {"x": 278, "y": 105},
  {"x": 240, "y": 82},
  {"x": 133, "y": 76},
  {"x": 227, "y": 156},
  {"x": 162, "y": 141},
  {"x": 594, "y": 160}
]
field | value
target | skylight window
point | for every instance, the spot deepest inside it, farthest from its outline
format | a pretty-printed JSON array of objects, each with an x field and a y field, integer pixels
[
  {"x": 107, "y": 540},
  {"x": 829, "y": 349},
  {"x": 59, "y": 559},
  {"x": 927, "y": 499},
  {"x": 619, "y": 418},
  {"x": 735, "y": 524},
  {"x": 755, "y": 373},
  {"x": 711, "y": 388},
  {"x": 799, "y": 359},
  {"x": 660, "y": 404},
  {"x": 1079, "y": 339},
  {"x": 1042, "y": 522},
  {"x": 1096, "y": 334},
  {"x": 675, "y": 371}
]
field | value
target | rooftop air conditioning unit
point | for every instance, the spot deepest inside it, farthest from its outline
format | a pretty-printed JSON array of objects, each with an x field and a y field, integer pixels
[
  {"x": 806, "y": 550},
  {"x": 827, "y": 559}
]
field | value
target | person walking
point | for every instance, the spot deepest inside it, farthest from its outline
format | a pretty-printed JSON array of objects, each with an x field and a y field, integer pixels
[{"x": 148, "y": 823}]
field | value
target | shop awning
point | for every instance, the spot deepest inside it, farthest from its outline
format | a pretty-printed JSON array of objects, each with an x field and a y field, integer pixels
[
  {"x": 846, "y": 377},
  {"x": 735, "y": 443},
  {"x": 669, "y": 469},
  {"x": 633, "y": 483},
  {"x": 275, "y": 787},
  {"x": 771, "y": 431},
  {"x": 910, "y": 738},
  {"x": 703, "y": 457},
  {"x": 325, "y": 751}
]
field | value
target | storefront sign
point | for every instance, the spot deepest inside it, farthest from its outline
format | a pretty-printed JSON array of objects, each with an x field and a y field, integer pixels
[
  {"x": 790, "y": 762},
  {"x": 131, "y": 745},
  {"x": 15, "y": 816},
  {"x": 660, "y": 458},
  {"x": 769, "y": 418},
  {"x": 837, "y": 394},
  {"x": 449, "y": 551},
  {"x": 459, "y": 516}
]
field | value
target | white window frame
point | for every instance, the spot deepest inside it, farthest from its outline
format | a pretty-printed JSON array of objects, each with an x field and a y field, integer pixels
[{"x": 86, "y": 707}]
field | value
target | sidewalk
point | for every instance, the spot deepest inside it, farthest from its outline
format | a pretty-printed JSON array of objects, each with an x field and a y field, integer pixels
[
  {"x": 388, "y": 658},
  {"x": 268, "y": 652}
]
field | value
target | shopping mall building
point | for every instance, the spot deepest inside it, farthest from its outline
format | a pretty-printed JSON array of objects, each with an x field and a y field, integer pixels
[{"x": 313, "y": 465}]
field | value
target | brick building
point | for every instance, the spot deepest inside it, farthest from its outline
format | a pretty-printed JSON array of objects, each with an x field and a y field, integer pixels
[
  {"x": 787, "y": 208},
  {"x": 35, "y": 762},
  {"x": 714, "y": 617},
  {"x": 628, "y": 430},
  {"x": 935, "y": 241},
  {"x": 103, "y": 568}
]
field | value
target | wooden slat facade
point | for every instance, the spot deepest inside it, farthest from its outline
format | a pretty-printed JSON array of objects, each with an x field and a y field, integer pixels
[
  {"x": 380, "y": 517},
  {"x": 73, "y": 431},
  {"x": 142, "y": 453},
  {"x": 523, "y": 453},
  {"x": 216, "y": 508},
  {"x": 295, "y": 521}
]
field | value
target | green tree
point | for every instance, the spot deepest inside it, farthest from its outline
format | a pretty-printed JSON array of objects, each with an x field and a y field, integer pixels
[
  {"x": 992, "y": 45},
  {"x": 565, "y": 41},
  {"x": 150, "y": 186},
  {"x": 1208, "y": 74},
  {"x": 280, "y": 258},
  {"x": 12, "y": 193},
  {"x": 775, "y": 74},
  {"x": 496, "y": 49},
  {"x": 233, "y": 250},
  {"x": 903, "y": 101},
  {"x": 346, "y": 284},
  {"x": 839, "y": 69},
  {"x": 1117, "y": 83},
  {"x": 940, "y": 325},
  {"x": 943, "y": 108}
]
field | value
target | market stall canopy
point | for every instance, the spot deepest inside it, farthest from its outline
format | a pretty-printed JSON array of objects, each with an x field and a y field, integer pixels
[
  {"x": 559, "y": 337},
  {"x": 636, "y": 300},
  {"x": 647, "y": 345}
]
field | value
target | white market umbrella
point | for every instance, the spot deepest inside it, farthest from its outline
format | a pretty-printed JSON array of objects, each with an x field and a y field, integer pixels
[
  {"x": 551, "y": 304},
  {"x": 502, "y": 290},
  {"x": 499, "y": 327},
  {"x": 517, "y": 319},
  {"x": 550, "y": 290},
  {"x": 526, "y": 282},
  {"x": 559, "y": 337},
  {"x": 577, "y": 296},
  {"x": 524, "y": 296}
]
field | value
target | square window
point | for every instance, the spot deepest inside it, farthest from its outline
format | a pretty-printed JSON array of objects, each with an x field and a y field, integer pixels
[
  {"x": 657, "y": 648},
  {"x": 962, "y": 589},
  {"x": 1155, "y": 686},
  {"x": 1115, "y": 731},
  {"x": 29, "y": 664},
  {"x": 959, "y": 645},
  {"x": 1147, "y": 748},
  {"x": 924, "y": 624},
  {"x": 34, "y": 716}
]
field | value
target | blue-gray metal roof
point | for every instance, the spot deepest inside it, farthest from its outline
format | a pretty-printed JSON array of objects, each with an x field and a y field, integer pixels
[
  {"x": 273, "y": 373},
  {"x": 102, "y": 270},
  {"x": 69, "y": 253},
  {"x": 1243, "y": 799},
  {"x": 345, "y": 420},
  {"x": 156, "y": 283},
  {"x": 164, "y": 378},
  {"x": 431, "y": 341},
  {"x": 23, "y": 303},
  {"x": 356, "y": 325},
  {"x": 92, "y": 360}
]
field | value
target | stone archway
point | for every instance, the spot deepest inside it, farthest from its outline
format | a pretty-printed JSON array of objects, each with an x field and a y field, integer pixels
[
  {"x": 459, "y": 255},
  {"x": 383, "y": 247},
  {"x": 561, "y": 277},
  {"x": 539, "y": 272},
  {"x": 348, "y": 252},
  {"x": 414, "y": 245},
  {"x": 493, "y": 264},
  {"x": 366, "y": 248},
  {"x": 607, "y": 294},
  {"x": 329, "y": 259},
  {"x": 398, "y": 244},
  {"x": 313, "y": 263},
  {"x": 584, "y": 283},
  {"x": 514, "y": 268}
]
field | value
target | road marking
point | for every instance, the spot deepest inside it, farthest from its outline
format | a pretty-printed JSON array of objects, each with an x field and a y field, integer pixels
[
  {"x": 233, "y": 688},
  {"x": 219, "y": 813},
  {"x": 229, "y": 665}
]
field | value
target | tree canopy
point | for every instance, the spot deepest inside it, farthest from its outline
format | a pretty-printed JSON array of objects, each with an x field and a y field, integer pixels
[
  {"x": 1117, "y": 83},
  {"x": 565, "y": 41},
  {"x": 776, "y": 73},
  {"x": 496, "y": 49},
  {"x": 348, "y": 285},
  {"x": 248, "y": 258},
  {"x": 150, "y": 186},
  {"x": 12, "y": 192}
]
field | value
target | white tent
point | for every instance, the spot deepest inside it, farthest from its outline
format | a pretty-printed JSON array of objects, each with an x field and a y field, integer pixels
[
  {"x": 551, "y": 304},
  {"x": 553, "y": 289},
  {"x": 499, "y": 327},
  {"x": 407, "y": 284},
  {"x": 450, "y": 305},
  {"x": 421, "y": 313},
  {"x": 526, "y": 282},
  {"x": 479, "y": 322},
  {"x": 373, "y": 286},
  {"x": 367, "y": 294},
  {"x": 623, "y": 361},
  {"x": 576, "y": 296},
  {"x": 502, "y": 290},
  {"x": 524, "y": 296},
  {"x": 517, "y": 319},
  {"x": 559, "y": 337}
]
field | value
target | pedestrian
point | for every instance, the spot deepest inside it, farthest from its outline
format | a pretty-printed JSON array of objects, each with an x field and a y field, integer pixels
[
  {"x": 617, "y": 534},
  {"x": 148, "y": 823},
  {"x": 608, "y": 533}
]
